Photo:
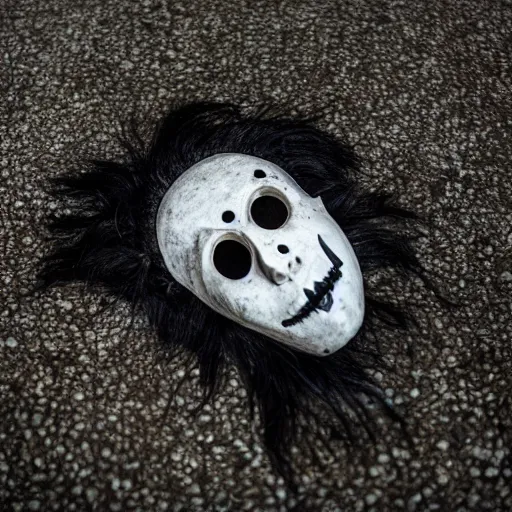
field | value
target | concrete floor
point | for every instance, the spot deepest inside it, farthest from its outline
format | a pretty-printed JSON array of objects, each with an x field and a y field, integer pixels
[{"x": 421, "y": 88}]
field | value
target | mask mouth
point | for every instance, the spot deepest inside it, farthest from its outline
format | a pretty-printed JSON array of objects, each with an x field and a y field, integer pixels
[{"x": 321, "y": 297}]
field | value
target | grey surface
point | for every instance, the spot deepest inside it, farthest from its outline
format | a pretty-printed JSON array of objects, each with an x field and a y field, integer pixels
[{"x": 421, "y": 88}]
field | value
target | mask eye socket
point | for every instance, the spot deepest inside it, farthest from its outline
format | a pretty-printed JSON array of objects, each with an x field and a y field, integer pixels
[
  {"x": 232, "y": 259},
  {"x": 269, "y": 212}
]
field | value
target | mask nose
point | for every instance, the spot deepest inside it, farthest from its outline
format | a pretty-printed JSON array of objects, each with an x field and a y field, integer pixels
[
  {"x": 278, "y": 268},
  {"x": 278, "y": 277}
]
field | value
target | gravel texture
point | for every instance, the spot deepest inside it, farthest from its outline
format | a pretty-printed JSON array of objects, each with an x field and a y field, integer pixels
[{"x": 89, "y": 420}]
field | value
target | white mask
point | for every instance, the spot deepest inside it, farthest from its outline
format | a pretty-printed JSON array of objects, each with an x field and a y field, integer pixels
[{"x": 240, "y": 234}]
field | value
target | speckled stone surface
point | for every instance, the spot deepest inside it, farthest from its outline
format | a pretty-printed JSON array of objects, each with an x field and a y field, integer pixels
[{"x": 88, "y": 420}]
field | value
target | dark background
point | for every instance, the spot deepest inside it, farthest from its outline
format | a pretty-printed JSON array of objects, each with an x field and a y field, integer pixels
[{"x": 422, "y": 89}]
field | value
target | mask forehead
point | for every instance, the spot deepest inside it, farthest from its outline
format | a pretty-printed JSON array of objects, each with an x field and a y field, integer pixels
[
  {"x": 223, "y": 179},
  {"x": 290, "y": 266}
]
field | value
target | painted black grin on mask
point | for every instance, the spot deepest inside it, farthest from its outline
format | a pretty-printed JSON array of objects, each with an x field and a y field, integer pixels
[{"x": 321, "y": 298}]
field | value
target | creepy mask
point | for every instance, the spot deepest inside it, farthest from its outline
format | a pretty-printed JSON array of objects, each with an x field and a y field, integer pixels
[
  {"x": 245, "y": 239},
  {"x": 240, "y": 234}
]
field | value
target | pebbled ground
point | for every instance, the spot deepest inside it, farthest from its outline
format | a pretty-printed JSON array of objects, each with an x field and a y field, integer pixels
[{"x": 88, "y": 417}]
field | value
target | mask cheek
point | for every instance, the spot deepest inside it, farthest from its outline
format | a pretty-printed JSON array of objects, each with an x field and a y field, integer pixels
[
  {"x": 251, "y": 301},
  {"x": 351, "y": 307},
  {"x": 226, "y": 297}
]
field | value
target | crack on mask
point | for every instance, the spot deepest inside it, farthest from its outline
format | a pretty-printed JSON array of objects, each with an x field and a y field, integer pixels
[{"x": 321, "y": 298}]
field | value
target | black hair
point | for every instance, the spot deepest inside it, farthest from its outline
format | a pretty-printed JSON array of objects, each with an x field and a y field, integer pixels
[{"x": 109, "y": 239}]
